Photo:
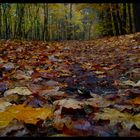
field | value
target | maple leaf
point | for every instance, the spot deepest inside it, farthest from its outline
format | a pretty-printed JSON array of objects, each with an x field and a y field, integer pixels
[
  {"x": 33, "y": 115},
  {"x": 69, "y": 103},
  {"x": 127, "y": 120},
  {"x": 98, "y": 101},
  {"x": 28, "y": 114},
  {"x": 18, "y": 90}
]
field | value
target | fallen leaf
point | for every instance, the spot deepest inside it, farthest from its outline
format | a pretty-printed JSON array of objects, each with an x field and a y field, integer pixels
[
  {"x": 99, "y": 72},
  {"x": 22, "y": 75},
  {"x": 18, "y": 90},
  {"x": 136, "y": 120},
  {"x": 130, "y": 83},
  {"x": 8, "y": 66},
  {"x": 33, "y": 115},
  {"x": 4, "y": 105},
  {"x": 137, "y": 84},
  {"x": 3, "y": 86},
  {"x": 135, "y": 100},
  {"x": 113, "y": 115},
  {"x": 14, "y": 126},
  {"x": 98, "y": 101},
  {"x": 28, "y": 114},
  {"x": 69, "y": 103},
  {"x": 5, "y": 119}
]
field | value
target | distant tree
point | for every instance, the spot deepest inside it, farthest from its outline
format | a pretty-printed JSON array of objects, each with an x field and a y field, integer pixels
[
  {"x": 136, "y": 10},
  {"x": 130, "y": 18}
]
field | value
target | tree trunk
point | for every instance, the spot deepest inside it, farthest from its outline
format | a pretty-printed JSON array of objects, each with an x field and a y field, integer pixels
[
  {"x": 46, "y": 13},
  {"x": 70, "y": 24},
  {"x": 136, "y": 10},
  {"x": 115, "y": 18},
  {"x": 124, "y": 31},
  {"x": 130, "y": 18}
]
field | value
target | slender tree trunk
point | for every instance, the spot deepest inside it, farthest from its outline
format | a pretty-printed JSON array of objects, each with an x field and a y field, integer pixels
[
  {"x": 110, "y": 27},
  {"x": 115, "y": 23},
  {"x": 70, "y": 24},
  {"x": 46, "y": 12},
  {"x": 124, "y": 19},
  {"x": 5, "y": 23},
  {"x": 119, "y": 20},
  {"x": 130, "y": 18}
]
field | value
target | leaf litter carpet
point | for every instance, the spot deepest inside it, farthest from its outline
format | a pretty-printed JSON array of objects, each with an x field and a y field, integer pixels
[{"x": 70, "y": 88}]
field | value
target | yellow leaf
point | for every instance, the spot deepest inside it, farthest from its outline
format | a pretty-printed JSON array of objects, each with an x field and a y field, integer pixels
[
  {"x": 35, "y": 56},
  {"x": 127, "y": 120},
  {"x": 5, "y": 119},
  {"x": 18, "y": 108},
  {"x": 113, "y": 115},
  {"x": 136, "y": 120},
  {"x": 28, "y": 114},
  {"x": 33, "y": 115}
]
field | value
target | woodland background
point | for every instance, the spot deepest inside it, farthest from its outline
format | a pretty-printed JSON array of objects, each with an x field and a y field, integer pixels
[{"x": 67, "y": 21}]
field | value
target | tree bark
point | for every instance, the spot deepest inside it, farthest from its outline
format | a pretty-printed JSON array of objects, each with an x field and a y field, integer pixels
[
  {"x": 46, "y": 13},
  {"x": 130, "y": 18}
]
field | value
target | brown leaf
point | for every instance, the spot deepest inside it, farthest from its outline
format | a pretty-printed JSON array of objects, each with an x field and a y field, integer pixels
[
  {"x": 69, "y": 103},
  {"x": 18, "y": 90}
]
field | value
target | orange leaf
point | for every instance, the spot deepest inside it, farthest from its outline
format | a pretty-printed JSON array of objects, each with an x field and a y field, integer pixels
[
  {"x": 33, "y": 115},
  {"x": 136, "y": 100}
]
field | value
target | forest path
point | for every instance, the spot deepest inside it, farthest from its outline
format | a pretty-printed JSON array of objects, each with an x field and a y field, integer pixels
[{"x": 92, "y": 87}]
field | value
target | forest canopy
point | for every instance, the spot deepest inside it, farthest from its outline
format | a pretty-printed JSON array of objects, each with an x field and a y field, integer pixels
[{"x": 66, "y": 21}]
